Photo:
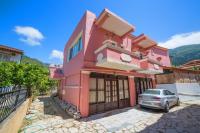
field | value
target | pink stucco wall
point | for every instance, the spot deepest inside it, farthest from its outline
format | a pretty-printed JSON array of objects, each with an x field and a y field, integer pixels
[
  {"x": 71, "y": 88},
  {"x": 54, "y": 74},
  {"x": 74, "y": 83},
  {"x": 155, "y": 52},
  {"x": 145, "y": 64},
  {"x": 97, "y": 37},
  {"x": 132, "y": 91}
]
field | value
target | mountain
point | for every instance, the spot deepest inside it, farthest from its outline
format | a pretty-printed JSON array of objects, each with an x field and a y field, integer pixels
[
  {"x": 183, "y": 54},
  {"x": 26, "y": 59}
]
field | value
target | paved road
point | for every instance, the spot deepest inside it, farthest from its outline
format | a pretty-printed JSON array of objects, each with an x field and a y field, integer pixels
[{"x": 45, "y": 116}]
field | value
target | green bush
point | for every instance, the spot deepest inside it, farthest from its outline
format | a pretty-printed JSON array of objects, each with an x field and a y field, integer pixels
[{"x": 31, "y": 76}]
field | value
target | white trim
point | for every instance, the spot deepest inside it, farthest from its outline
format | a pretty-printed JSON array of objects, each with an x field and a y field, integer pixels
[
  {"x": 100, "y": 48},
  {"x": 150, "y": 71},
  {"x": 108, "y": 44},
  {"x": 131, "y": 76},
  {"x": 115, "y": 64},
  {"x": 109, "y": 41},
  {"x": 85, "y": 72},
  {"x": 105, "y": 45}
]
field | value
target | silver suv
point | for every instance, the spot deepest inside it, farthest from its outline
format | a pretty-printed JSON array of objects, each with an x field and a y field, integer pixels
[{"x": 158, "y": 99}]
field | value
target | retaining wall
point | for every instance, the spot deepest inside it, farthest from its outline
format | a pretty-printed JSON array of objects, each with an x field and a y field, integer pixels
[{"x": 14, "y": 121}]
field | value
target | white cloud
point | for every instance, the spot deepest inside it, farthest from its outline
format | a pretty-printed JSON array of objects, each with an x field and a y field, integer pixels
[
  {"x": 56, "y": 54},
  {"x": 29, "y": 35},
  {"x": 182, "y": 39}
]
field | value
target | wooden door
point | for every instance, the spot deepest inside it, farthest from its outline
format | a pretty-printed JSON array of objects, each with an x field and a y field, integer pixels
[
  {"x": 142, "y": 84},
  {"x": 108, "y": 92},
  {"x": 111, "y": 94}
]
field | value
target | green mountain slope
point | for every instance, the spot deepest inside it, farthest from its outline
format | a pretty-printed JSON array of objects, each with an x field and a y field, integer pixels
[
  {"x": 183, "y": 54},
  {"x": 26, "y": 59}
]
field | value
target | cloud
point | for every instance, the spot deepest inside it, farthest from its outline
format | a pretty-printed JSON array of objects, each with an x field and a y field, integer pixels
[
  {"x": 181, "y": 40},
  {"x": 56, "y": 54},
  {"x": 29, "y": 35}
]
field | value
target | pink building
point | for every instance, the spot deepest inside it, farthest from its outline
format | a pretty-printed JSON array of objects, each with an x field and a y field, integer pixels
[{"x": 105, "y": 67}]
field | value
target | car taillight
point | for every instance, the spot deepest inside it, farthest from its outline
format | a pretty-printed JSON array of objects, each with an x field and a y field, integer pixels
[{"x": 156, "y": 98}]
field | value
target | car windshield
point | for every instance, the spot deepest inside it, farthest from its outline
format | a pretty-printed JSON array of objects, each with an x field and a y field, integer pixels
[{"x": 154, "y": 92}]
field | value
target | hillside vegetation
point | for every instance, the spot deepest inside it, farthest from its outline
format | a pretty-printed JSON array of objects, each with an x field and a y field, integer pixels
[
  {"x": 26, "y": 59},
  {"x": 183, "y": 54}
]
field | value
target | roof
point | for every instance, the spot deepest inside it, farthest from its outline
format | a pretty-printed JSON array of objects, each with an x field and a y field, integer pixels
[
  {"x": 191, "y": 64},
  {"x": 10, "y": 49},
  {"x": 113, "y": 23},
  {"x": 144, "y": 41},
  {"x": 162, "y": 48},
  {"x": 181, "y": 69}
]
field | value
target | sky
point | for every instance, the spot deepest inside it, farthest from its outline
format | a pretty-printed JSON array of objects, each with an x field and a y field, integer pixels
[{"x": 41, "y": 28}]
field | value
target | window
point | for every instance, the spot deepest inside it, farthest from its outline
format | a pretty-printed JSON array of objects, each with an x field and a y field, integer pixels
[
  {"x": 92, "y": 90},
  {"x": 75, "y": 49},
  {"x": 100, "y": 90},
  {"x": 166, "y": 92},
  {"x": 59, "y": 71},
  {"x": 154, "y": 92}
]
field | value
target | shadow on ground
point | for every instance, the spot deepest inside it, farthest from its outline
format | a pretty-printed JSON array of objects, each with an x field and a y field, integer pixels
[
  {"x": 119, "y": 111},
  {"x": 186, "y": 120},
  {"x": 51, "y": 108},
  {"x": 105, "y": 114}
]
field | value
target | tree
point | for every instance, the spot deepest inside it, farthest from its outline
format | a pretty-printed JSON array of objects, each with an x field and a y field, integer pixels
[
  {"x": 31, "y": 76},
  {"x": 6, "y": 70}
]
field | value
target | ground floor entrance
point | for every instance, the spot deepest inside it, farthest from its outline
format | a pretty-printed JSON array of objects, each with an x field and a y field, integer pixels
[
  {"x": 142, "y": 84},
  {"x": 108, "y": 92}
]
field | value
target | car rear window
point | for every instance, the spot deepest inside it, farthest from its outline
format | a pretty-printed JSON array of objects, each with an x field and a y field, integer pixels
[{"x": 155, "y": 92}]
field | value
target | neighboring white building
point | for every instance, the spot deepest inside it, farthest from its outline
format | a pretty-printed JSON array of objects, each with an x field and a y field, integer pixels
[
  {"x": 10, "y": 54},
  {"x": 184, "y": 82}
]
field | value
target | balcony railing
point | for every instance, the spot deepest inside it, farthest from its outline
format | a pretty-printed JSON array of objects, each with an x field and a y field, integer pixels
[
  {"x": 112, "y": 55},
  {"x": 149, "y": 66}
]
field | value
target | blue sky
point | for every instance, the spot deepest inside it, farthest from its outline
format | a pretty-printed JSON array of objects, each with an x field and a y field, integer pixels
[{"x": 42, "y": 27}]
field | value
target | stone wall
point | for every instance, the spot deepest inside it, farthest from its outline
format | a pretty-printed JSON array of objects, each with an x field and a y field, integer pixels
[{"x": 14, "y": 121}]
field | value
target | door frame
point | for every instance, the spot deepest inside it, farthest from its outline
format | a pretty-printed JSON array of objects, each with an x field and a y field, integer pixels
[
  {"x": 109, "y": 78},
  {"x": 143, "y": 84}
]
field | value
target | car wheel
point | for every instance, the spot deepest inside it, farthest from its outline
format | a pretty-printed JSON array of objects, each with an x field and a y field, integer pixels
[
  {"x": 178, "y": 102},
  {"x": 167, "y": 107}
]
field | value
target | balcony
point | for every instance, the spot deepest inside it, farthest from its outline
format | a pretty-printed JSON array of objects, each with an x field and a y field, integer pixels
[
  {"x": 150, "y": 66},
  {"x": 110, "y": 55}
]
